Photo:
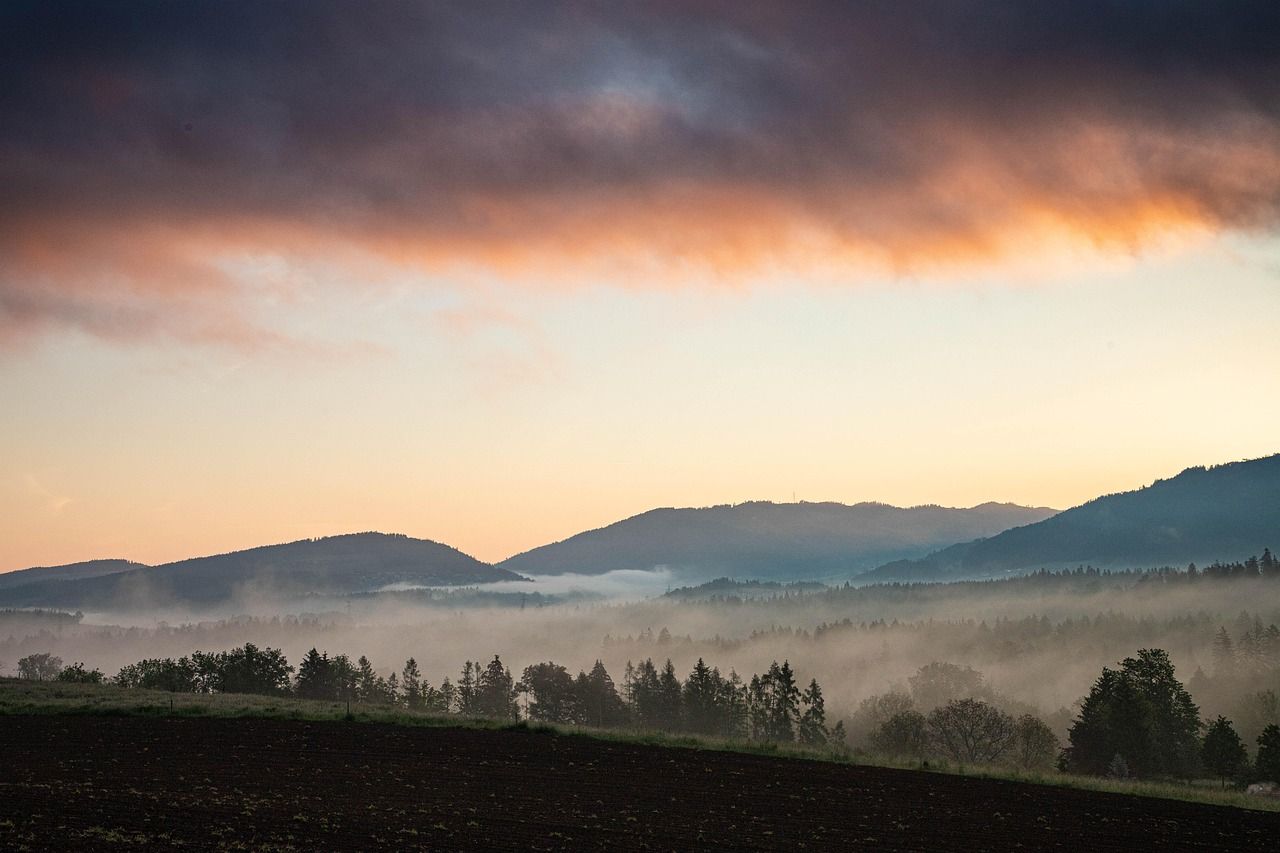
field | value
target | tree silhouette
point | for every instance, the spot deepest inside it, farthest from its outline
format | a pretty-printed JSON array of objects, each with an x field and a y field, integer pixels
[
  {"x": 598, "y": 700},
  {"x": 411, "y": 684},
  {"x": 551, "y": 692},
  {"x": 702, "y": 695},
  {"x": 940, "y": 683},
  {"x": 1141, "y": 712},
  {"x": 496, "y": 692},
  {"x": 813, "y": 722},
  {"x": 904, "y": 735},
  {"x": 1268, "y": 759},
  {"x": 1035, "y": 746},
  {"x": 970, "y": 730},
  {"x": 40, "y": 666},
  {"x": 1224, "y": 753},
  {"x": 78, "y": 674}
]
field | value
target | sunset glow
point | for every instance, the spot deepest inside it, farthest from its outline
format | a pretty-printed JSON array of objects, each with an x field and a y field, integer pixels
[{"x": 661, "y": 254}]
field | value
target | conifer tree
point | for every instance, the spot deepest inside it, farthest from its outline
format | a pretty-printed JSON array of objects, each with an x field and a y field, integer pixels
[
  {"x": 369, "y": 687},
  {"x": 411, "y": 684},
  {"x": 670, "y": 704},
  {"x": 496, "y": 692},
  {"x": 1224, "y": 753},
  {"x": 466, "y": 690},
  {"x": 813, "y": 722},
  {"x": 702, "y": 694},
  {"x": 1268, "y": 759}
]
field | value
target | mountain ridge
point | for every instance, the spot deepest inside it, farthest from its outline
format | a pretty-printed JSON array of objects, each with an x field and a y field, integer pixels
[
  {"x": 1201, "y": 514},
  {"x": 350, "y": 562},
  {"x": 767, "y": 540}
]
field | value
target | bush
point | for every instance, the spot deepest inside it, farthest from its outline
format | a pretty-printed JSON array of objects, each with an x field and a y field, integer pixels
[{"x": 77, "y": 674}]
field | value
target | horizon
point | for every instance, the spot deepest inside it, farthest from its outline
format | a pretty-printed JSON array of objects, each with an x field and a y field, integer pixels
[
  {"x": 256, "y": 285},
  {"x": 436, "y": 541},
  {"x": 551, "y": 541}
]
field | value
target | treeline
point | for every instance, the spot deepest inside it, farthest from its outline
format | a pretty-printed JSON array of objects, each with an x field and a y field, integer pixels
[
  {"x": 1137, "y": 720},
  {"x": 949, "y": 712},
  {"x": 1082, "y": 579},
  {"x": 773, "y": 706}
]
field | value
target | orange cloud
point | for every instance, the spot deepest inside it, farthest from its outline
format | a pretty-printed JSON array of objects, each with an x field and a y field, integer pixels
[{"x": 674, "y": 145}]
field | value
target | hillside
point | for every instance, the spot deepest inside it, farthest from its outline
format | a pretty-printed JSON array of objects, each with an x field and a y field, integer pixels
[
  {"x": 1203, "y": 514},
  {"x": 770, "y": 541},
  {"x": 357, "y": 562},
  {"x": 71, "y": 571}
]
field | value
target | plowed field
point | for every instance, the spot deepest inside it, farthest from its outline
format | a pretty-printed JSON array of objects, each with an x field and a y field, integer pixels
[{"x": 85, "y": 782}]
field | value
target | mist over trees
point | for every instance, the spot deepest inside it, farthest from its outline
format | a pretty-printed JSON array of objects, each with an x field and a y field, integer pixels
[{"x": 906, "y": 673}]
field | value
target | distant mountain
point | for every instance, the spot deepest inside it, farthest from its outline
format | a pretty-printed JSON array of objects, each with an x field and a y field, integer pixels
[
  {"x": 357, "y": 562},
  {"x": 1203, "y": 514},
  {"x": 769, "y": 541},
  {"x": 71, "y": 571}
]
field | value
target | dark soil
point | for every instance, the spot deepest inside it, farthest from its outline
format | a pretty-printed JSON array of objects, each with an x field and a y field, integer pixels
[{"x": 83, "y": 782}]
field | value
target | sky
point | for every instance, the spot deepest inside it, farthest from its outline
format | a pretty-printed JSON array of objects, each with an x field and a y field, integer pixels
[{"x": 492, "y": 274}]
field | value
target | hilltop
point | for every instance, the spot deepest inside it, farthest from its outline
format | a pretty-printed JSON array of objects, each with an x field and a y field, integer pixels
[
  {"x": 769, "y": 541},
  {"x": 1200, "y": 515},
  {"x": 334, "y": 565}
]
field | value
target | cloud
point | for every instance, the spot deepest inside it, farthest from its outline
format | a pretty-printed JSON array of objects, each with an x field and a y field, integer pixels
[
  {"x": 53, "y": 502},
  {"x": 655, "y": 144}
]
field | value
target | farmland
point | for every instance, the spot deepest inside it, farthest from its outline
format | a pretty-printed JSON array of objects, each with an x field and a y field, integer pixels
[{"x": 93, "y": 782}]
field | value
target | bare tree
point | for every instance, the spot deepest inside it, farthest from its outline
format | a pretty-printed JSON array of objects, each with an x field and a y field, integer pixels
[{"x": 970, "y": 730}]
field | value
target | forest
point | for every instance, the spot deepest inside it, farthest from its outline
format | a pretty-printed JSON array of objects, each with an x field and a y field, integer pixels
[{"x": 884, "y": 671}]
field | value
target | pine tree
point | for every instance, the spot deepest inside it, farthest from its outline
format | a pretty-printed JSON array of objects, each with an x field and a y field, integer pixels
[
  {"x": 448, "y": 697},
  {"x": 315, "y": 676},
  {"x": 733, "y": 699},
  {"x": 496, "y": 693},
  {"x": 1224, "y": 654},
  {"x": 411, "y": 684},
  {"x": 782, "y": 703},
  {"x": 702, "y": 700},
  {"x": 1268, "y": 759},
  {"x": 369, "y": 687},
  {"x": 670, "y": 702},
  {"x": 647, "y": 696},
  {"x": 601, "y": 705},
  {"x": 813, "y": 722},
  {"x": 628, "y": 689},
  {"x": 758, "y": 708},
  {"x": 467, "y": 690}
]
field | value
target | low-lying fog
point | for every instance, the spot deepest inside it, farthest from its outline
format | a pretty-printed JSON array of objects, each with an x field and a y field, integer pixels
[
  {"x": 1039, "y": 643},
  {"x": 622, "y": 585}
]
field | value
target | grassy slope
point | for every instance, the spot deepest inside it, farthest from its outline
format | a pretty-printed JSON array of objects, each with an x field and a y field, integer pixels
[{"x": 29, "y": 697}]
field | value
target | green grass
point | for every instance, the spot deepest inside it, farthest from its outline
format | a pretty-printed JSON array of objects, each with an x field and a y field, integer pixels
[{"x": 32, "y": 697}]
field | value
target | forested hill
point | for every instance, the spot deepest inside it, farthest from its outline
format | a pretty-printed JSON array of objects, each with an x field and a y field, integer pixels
[
  {"x": 770, "y": 541},
  {"x": 355, "y": 562},
  {"x": 71, "y": 571},
  {"x": 1201, "y": 515}
]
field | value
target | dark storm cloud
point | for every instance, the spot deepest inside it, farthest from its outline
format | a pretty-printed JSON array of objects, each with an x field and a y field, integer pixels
[{"x": 724, "y": 134}]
